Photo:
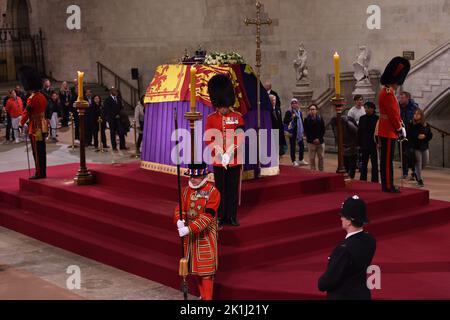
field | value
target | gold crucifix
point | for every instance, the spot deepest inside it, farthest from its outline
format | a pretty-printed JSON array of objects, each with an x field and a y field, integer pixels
[{"x": 258, "y": 22}]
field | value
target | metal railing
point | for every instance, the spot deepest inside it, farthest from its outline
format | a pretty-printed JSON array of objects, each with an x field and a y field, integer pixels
[
  {"x": 130, "y": 94},
  {"x": 444, "y": 134}
]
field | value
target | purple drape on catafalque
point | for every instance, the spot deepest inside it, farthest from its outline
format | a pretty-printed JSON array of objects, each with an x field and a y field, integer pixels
[{"x": 159, "y": 125}]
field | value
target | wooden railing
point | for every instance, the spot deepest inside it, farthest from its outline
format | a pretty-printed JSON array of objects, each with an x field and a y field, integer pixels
[
  {"x": 444, "y": 134},
  {"x": 108, "y": 78}
]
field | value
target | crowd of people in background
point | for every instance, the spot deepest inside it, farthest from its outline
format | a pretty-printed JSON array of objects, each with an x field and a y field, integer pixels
[
  {"x": 359, "y": 127},
  {"x": 61, "y": 113},
  {"x": 359, "y": 134}
]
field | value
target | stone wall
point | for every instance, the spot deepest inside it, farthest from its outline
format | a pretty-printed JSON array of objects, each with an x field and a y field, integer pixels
[{"x": 134, "y": 33}]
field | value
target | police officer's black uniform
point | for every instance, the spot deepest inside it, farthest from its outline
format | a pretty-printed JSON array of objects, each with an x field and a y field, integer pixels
[{"x": 346, "y": 275}]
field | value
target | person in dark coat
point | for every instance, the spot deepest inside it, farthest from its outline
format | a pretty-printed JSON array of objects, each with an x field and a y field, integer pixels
[
  {"x": 65, "y": 98},
  {"x": 315, "y": 131},
  {"x": 89, "y": 118},
  {"x": 277, "y": 123},
  {"x": 113, "y": 106},
  {"x": 367, "y": 143},
  {"x": 419, "y": 133},
  {"x": 97, "y": 111},
  {"x": 350, "y": 129},
  {"x": 268, "y": 87},
  {"x": 346, "y": 274},
  {"x": 407, "y": 109},
  {"x": 52, "y": 113}
]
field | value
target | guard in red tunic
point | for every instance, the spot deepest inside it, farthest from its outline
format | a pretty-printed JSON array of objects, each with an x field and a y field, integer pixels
[
  {"x": 35, "y": 115},
  {"x": 390, "y": 126},
  {"x": 200, "y": 202},
  {"x": 225, "y": 136}
]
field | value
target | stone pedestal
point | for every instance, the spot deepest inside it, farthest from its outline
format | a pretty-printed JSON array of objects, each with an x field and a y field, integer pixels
[
  {"x": 303, "y": 92},
  {"x": 364, "y": 88}
]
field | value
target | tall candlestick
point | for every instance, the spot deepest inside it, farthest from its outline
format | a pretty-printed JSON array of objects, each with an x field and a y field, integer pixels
[
  {"x": 337, "y": 74},
  {"x": 193, "y": 88},
  {"x": 80, "y": 85}
]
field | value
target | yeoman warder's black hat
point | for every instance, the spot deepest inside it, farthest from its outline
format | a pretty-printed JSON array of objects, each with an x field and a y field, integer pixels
[
  {"x": 30, "y": 78},
  {"x": 354, "y": 209},
  {"x": 197, "y": 170},
  {"x": 221, "y": 91},
  {"x": 396, "y": 71}
]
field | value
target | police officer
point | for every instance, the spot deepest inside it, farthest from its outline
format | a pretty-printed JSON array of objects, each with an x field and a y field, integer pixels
[
  {"x": 390, "y": 126},
  {"x": 346, "y": 275}
]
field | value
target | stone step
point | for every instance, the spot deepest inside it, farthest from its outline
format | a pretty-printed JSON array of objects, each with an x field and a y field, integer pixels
[
  {"x": 425, "y": 88},
  {"x": 434, "y": 82}
]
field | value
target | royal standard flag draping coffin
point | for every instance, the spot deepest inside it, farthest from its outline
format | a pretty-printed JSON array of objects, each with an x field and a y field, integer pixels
[{"x": 169, "y": 92}]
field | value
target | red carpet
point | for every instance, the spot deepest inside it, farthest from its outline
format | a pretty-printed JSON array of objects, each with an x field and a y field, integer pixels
[{"x": 289, "y": 225}]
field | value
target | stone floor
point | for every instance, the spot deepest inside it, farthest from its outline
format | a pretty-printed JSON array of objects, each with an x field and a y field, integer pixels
[{"x": 30, "y": 269}]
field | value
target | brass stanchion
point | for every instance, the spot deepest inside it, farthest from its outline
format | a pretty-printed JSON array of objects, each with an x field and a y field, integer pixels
[
  {"x": 137, "y": 154},
  {"x": 84, "y": 176},
  {"x": 339, "y": 103},
  {"x": 72, "y": 128},
  {"x": 100, "y": 142}
]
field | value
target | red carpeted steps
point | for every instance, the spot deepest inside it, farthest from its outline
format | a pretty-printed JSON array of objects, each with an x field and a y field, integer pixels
[
  {"x": 414, "y": 264},
  {"x": 125, "y": 220},
  {"x": 106, "y": 249}
]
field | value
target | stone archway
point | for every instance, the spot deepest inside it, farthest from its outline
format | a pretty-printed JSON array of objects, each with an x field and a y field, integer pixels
[
  {"x": 18, "y": 15},
  {"x": 438, "y": 115}
]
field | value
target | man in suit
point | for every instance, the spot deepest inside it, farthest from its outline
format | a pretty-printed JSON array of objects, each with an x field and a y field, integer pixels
[
  {"x": 346, "y": 274},
  {"x": 268, "y": 87},
  {"x": 277, "y": 123},
  {"x": 390, "y": 126},
  {"x": 112, "y": 106}
]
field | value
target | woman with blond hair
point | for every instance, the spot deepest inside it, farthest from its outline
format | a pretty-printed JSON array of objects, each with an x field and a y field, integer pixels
[{"x": 420, "y": 135}]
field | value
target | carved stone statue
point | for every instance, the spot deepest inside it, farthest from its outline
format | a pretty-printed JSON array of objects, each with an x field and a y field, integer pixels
[
  {"x": 301, "y": 70},
  {"x": 361, "y": 74},
  {"x": 361, "y": 65}
]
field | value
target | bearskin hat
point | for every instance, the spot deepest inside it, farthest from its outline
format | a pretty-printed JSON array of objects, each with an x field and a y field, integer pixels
[
  {"x": 396, "y": 71},
  {"x": 221, "y": 91},
  {"x": 30, "y": 79}
]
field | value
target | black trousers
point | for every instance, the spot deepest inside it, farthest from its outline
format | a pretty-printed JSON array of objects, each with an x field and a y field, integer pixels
[
  {"x": 293, "y": 145},
  {"x": 40, "y": 156},
  {"x": 9, "y": 128},
  {"x": 408, "y": 159},
  {"x": 65, "y": 116},
  {"x": 350, "y": 164},
  {"x": 139, "y": 141},
  {"x": 386, "y": 165},
  {"x": 102, "y": 133},
  {"x": 371, "y": 154},
  {"x": 114, "y": 129},
  {"x": 227, "y": 182}
]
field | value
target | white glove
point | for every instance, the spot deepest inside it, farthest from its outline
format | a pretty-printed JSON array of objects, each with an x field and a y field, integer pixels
[
  {"x": 184, "y": 231},
  {"x": 403, "y": 134},
  {"x": 180, "y": 224},
  {"x": 225, "y": 160}
]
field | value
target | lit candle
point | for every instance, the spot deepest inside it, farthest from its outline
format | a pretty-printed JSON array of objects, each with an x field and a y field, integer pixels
[
  {"x": 193, "y": 88},
  {"x": 80, "y": 85},
  {"x": 337, "y": 74}
]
